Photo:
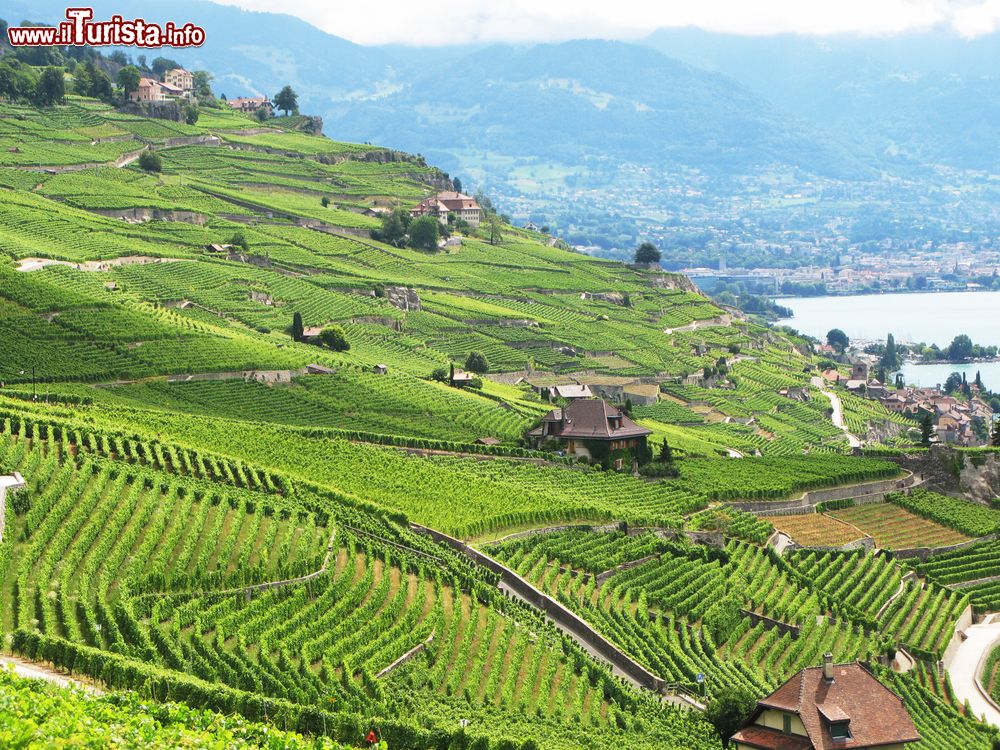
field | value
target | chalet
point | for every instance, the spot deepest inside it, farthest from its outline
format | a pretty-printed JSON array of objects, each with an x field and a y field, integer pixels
[
  {"x": 380, "y": 369},
  {"x": 591, "y": 429},
  {"x": 250, "y": 104},
  {"x": 179, "y": 79},
  {"x": 450, "y": 204},
  {"x": 149, "y": 91},
  {"x": 833, "y": 706}
]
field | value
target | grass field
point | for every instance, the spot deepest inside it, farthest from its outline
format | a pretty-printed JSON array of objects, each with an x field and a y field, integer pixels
[{"x": 895, "y": 528}]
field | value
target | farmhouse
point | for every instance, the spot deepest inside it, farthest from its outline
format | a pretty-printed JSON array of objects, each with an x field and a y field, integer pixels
[
  {"x": 833, "y": 706},
  {"x": 450, "y": 204},
  {"x": 250, "y": 104},
  {"x": 149, "y": 91},
  {"x": 592, "y": 429}
]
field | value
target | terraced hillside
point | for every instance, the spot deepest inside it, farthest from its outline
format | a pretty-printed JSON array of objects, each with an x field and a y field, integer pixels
[{"x": 219, "y": 513}]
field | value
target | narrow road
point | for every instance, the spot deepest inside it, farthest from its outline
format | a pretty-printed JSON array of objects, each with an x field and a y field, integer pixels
[
  {"x": 838, "y": 412},
  {"x": 965, "y": 666},
  {"x": 31, "y": 670}
]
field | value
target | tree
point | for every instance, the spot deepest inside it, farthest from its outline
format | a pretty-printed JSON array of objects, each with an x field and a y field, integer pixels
[
  {"x": 297, "y": 327},
  {"x": 979, "y": 381},
  {"x": 926, "y": 430},
  {"x": 495, "y": 226},
  {"x": 995, "y": 439},
  {"x": 424, "y": 233},
  {"x": 191, "y": 114},
  {"x": 260, "y": 115},
  {"x": 728, "y": 711},
  {"x": 394, "y": 226},
  {"x": 239, "y": 239},
  {"x": 666, "y": 454},
  {"x": 150, "y": 161},
  {"x": 960, "y": 349},
  {"x": 458, "y": 185},
  {"x": 287, "y": 100},
  {"x": 647, "y": 252},
  {"x": 890, "y": 359},
  {"x": 202, "y": 80},
  {"x": 161, "y": 65},
  {"x": 51, "y": 87},
  {"x": 335, "y": 338},
  {"x": 128, "y": 78},
  {"x": 477, "y": 362},
  {"x": 838, "y": 340},
  {"x": 953, "y": 383},
  {"x": 324, "y": 201}
]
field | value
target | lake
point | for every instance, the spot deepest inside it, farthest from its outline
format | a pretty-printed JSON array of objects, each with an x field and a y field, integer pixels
[{"x": 928, "y": 317}]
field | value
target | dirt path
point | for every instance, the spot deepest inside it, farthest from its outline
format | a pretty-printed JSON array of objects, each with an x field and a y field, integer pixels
[
  {"x": 966, "y": 664},
  {"x": 33, "y": 670},
  {"x": 838, "y": 412}
]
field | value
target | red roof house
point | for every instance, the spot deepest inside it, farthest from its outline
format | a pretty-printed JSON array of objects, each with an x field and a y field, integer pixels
[
  {"x": 828, "y": 707},
  {"x": 593, "y": 429}
]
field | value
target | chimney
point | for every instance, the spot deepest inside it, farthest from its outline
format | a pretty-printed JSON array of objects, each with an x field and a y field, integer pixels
[{"x": 828, "y": 667}]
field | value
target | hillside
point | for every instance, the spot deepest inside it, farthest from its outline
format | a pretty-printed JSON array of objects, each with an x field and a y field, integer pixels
[{"x": 207, "y": 519}]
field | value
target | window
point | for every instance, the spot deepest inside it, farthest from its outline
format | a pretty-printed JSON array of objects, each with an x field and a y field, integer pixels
[
  {"x": 787, "y": 720},
  {"x": 839, "y": 730}
]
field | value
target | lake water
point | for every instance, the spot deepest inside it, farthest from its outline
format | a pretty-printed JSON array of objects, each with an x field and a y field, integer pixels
[{"x": 929, "y": 317}]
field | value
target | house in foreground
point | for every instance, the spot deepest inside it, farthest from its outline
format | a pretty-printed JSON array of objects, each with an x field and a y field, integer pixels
[
  {"x": 592, "y": 429},
  {"x": 833, "y": 706}
]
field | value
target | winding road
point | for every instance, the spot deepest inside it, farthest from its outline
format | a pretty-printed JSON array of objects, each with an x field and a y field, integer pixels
[
  {"x": 966, "y": 664},
  {"x": 838, "y": 412}
]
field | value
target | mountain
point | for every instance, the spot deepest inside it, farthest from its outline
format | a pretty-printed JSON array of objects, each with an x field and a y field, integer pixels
[
  {"x": 589, "y": 99},
  {"x": 566, "y": 102},
  {"x": 929, "y": 97}
]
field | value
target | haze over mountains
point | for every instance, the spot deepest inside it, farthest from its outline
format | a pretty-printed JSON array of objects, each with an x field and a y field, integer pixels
[{"x": 543, "y": 124}]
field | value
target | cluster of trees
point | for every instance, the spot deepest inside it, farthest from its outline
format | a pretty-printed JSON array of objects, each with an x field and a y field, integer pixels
[
  {"x": 961, "y": 349},
  {"x": 37, "y": 74},
  {"x": 333, "y": 337},
  {"x": 20, "y": 82},
  {"x": 399, "y": 229}
]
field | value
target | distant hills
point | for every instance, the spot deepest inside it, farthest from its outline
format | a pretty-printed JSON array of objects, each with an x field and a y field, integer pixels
[
  {"x": 916, "y": 98},
  {"x": 541, "y": 124}
]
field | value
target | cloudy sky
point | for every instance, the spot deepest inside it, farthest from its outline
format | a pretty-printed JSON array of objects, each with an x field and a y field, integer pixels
[{"x": 442, "y": 22}]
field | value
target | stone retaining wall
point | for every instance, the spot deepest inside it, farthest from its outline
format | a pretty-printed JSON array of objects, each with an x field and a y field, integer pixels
[{"x": 565, "y": 619}]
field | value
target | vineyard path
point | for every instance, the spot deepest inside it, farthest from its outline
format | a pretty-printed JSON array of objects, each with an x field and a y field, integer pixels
[
  {"x": 36, "y": 671},
  {"x": 966, "y": 664},
  {"x": 838, "y": 412}
]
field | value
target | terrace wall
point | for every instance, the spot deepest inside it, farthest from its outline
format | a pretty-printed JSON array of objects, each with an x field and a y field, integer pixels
[
  {"x": 567, "y": 621},
  {"x": 925, "y": 552}
]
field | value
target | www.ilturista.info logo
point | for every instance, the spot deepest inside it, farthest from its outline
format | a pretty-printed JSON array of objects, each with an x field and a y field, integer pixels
[{"x": 78, "y": 29}]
